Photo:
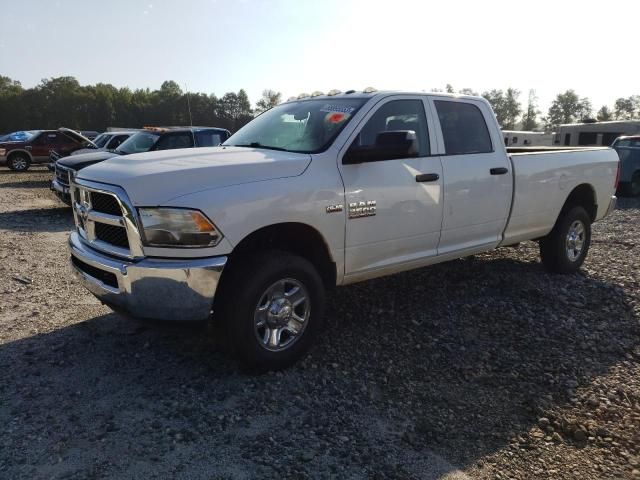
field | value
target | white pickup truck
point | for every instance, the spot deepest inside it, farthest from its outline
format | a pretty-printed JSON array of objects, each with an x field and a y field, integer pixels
[{"x": 322, "y": 191}]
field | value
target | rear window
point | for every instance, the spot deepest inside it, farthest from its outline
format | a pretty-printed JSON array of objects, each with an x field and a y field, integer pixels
[
  {"x": 629, "y": 142},
  {"x": 208, "y": 138},
  {"x": 463, "y": 128}
]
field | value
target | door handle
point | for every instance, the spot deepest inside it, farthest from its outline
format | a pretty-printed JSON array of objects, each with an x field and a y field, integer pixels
[
  {"x": 427, "y": 177},
  {"x": 499, "y": 171}
]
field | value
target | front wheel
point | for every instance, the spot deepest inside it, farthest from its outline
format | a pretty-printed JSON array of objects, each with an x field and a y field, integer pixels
[
  {"x": 566, "y": 246},
  {"x": 272, "y": 306}
]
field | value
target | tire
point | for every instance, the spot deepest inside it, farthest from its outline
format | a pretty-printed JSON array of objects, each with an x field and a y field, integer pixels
[
  {"x": 632, "y": 188},
  {"x": 564, "y": 249},
  {"x": 258, "y": 297},
  {"x": 19, "y": 162}
]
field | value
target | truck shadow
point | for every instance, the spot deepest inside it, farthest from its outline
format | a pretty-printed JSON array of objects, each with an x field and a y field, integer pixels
[
  {"x": 27, "y": 184},
  {"x": 58, "y": 219},
  {"x": 456, "y": 359}
]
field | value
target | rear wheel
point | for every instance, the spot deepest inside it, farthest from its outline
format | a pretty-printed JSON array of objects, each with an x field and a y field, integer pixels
[
  {"x": 18, "y": 162},
  {"x": 272, "y": 306},
  {"x": 566, "y": 247}
]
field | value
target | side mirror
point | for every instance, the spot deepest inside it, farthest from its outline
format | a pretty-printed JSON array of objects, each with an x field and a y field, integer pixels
[{"x": 391, "y": 145}]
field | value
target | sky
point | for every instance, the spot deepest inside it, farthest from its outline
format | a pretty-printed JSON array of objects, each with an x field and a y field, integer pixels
[{"x": 295, "y": 46}]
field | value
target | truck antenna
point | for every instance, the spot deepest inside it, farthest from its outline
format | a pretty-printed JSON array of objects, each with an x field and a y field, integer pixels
[{"x": 188, "y": 105}]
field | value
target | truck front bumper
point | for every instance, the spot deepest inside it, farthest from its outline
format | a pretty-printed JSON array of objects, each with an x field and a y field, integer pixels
[
  {"x": 154, "y": 289},
  {"x": 61, "y": 189}
]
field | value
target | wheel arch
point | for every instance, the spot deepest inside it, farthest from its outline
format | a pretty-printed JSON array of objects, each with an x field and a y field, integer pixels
[
  {"x": 12, "y": 153},
  {"x": 583, "y": 195},
  {"x": 294, "y": 237}
]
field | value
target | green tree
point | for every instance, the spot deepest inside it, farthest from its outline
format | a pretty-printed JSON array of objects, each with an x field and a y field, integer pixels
[
  {"x": 530, "y": 116},
  {"x": 270, "y": 98},
  {"x": 568, "y": 107},
  {"x": 604, "y": 114},
  {"x": 506, "y": 106},
  {"x": 627, "y": 108}
]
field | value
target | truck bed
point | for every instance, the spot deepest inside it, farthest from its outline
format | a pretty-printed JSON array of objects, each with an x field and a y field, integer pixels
[{"x": 543, "y": 179}]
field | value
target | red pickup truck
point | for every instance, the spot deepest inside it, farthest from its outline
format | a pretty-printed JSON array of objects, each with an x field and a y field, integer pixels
[{"x": 35, "y": 148}]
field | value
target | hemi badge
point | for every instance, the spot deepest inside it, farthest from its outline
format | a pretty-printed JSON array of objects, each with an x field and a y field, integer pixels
[{"x": 334, "y": 208}]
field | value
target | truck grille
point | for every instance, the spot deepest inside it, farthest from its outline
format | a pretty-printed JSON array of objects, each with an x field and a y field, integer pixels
[
  {"x": 105, "y": 219},
  {"x": 62, "y": 175},
  {"x": 105, "y": 203},
  {"x": 113, "y": 235}
]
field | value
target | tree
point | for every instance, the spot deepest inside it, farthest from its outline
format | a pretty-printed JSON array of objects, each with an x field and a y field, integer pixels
[
  {"x": 270, "y": 98},
  {"x": 604, "y": 114},
  {"x": 529, "y": 119},
  {"x": 505, "y": 106},
  {"x": 568, "y": 107},
  {"x": 627, "y": 108},
  {"x": 449, "y": 88},
  {"x": 468, "y": 91}
]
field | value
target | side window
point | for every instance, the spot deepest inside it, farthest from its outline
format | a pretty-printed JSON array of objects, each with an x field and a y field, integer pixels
[
  {"x": 174, "y": 140},
  {"x": 209, "y": 139},
  {"x": 397, "y": 115},
  {"x": 116, "y": 141},
  {"x": 463, "y": 128}
]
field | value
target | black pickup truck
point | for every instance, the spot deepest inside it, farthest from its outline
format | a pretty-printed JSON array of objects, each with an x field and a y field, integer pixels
[{"x": 147, "y": 139}]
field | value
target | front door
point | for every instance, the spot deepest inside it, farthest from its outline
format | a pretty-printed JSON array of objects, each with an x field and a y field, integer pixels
[{"x": 394, "y": 205}]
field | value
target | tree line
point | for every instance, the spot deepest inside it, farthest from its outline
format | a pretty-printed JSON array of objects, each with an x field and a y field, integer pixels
[
  {"x": 62, "y": 101},
  {"x": 567, "y": 107}
]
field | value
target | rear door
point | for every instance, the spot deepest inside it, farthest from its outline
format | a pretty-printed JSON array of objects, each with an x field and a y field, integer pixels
[
  {"x": 41, "y": 145},
  {"x": 478, "y": 180},
  {"x": 394, "y": 205}
]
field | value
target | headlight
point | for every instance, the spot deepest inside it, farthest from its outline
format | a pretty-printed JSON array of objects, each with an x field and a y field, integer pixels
[
  {"x": 3, "y": 151},
  {"x": 177, "y": 227}
]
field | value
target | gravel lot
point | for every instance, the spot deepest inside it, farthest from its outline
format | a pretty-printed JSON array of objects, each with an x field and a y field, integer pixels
[{"x": 480, "y": 368}]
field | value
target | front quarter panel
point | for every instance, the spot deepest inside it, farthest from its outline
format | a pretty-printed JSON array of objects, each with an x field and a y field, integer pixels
[{"x": 240, "y": 210}]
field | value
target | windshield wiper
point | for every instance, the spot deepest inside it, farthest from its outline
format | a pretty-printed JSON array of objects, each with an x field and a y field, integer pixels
[{"x": 259, "y": 145}]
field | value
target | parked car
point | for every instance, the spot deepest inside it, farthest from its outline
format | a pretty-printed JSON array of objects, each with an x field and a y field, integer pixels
[
  {"x": 35, "y": 148},
  {"x": 628, "y": 149},
  {"x": 106, "y": 141},
  {"x": 148, "y": 139},
  {"x": 319, "y": 192}
]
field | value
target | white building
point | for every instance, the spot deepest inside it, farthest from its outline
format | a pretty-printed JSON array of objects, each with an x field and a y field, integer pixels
[
  {"x": 594, "y": 133},
  {"x": 526, "y": 138}
]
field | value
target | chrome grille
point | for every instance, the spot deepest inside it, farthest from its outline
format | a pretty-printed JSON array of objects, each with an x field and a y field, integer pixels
[
  {"x": 105, "y": 218},
  {"x": 62, "y": 175},
  {"x": 114, "y": 235},
  {"x": 105, "y": 203}
]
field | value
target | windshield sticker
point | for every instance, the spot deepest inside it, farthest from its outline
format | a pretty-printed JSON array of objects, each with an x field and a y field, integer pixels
[
  {"x": 335, "y": 117},
  {"x": 337, "y": 108}
]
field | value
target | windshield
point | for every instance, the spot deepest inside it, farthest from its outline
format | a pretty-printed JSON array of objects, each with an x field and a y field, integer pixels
[
  {"x": 138, "y": 142},
  {"x": 306, "y": 126},
  {"x": 101, "y": 140}
]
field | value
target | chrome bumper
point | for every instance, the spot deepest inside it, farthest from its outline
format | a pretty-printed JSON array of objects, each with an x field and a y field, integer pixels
[
  {"x": 612, "y": 205},
  {"x": 58, "y": 187},
  {"x": 150, "y": 288}
]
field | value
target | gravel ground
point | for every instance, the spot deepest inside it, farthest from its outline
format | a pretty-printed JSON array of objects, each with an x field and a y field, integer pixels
[{"x": 486, "y": 367}]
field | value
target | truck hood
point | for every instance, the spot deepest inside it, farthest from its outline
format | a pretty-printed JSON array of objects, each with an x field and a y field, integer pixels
[
  {"x": 155, "y": 178},
  {"x": 78, "y": 162}
]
